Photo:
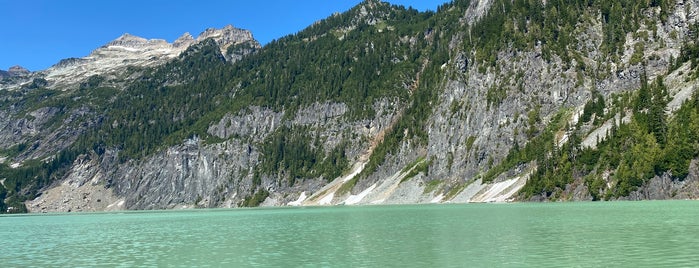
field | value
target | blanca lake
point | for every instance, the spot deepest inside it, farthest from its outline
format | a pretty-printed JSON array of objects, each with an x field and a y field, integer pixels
[{"x": 609, "y": 234}]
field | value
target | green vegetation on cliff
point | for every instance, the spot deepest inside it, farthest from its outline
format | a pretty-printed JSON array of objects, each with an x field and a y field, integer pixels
[{"x": 650, "y": 144}]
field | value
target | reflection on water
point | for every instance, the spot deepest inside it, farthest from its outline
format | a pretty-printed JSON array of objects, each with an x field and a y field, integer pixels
[{"x": 572, "y": 234}]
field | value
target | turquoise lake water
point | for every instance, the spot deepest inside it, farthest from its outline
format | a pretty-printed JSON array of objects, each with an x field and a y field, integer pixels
[{"x": 609, "y": 234}]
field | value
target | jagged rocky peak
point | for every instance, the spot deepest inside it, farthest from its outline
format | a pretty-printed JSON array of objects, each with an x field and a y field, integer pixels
[
  {"x": 185, "y": 40},
  {"x": 128, "y": 39},
  {"x": 18, "y": 71},
  {"x": 136, "y": 45},
  {"x": 131, "y": 41},
  {"x": 227, "y": 36},
  {"x": 14, "y": 71},
  {"x": 130, "y": 50}
]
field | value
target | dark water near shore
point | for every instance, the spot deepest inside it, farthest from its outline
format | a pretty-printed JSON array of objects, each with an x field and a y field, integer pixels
[{"x": 611, "y": 234}]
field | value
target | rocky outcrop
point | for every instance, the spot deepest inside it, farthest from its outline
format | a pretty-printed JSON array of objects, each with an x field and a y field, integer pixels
[
  {"x": 185, "y": 40},
  {"x": 18, "y": 71},
  {"x": 231, "y": 37},
  {"x": 256, "y": 123},
  {"x": 14, "y": 71},
  {"x": 664, "y": 187},
  {"x": 132, "y": 42},
  {"x": 44, "y": 131},
  {"x": 84, "y": 189},
  {"x": 190, "y": 174}
]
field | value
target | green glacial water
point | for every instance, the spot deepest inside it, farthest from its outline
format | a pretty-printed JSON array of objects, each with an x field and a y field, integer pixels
[{"x": 610, "y": 234}]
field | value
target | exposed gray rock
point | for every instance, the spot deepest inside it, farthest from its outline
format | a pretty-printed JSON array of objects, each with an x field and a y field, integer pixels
[
  {"x": 186, "y": 175},
  {"x": 134, "y": 42},
  {"x": 83, "y": 189},
  {"x": 664, "y": 187},
  {"x": 185, "y": 40},
  {"x": 477, "y": 10},
  {"x": 255, "y": 123},
  {"x": 230, "y": 36},
  {"x": 64, "y": 63},
  {"x": 42, "y": 132}
]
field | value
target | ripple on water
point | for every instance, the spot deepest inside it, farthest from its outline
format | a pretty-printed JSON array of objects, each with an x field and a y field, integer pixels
[{"x": 511, "y": 235}]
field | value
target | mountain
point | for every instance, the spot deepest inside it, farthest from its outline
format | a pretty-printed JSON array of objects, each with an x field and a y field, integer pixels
[
  {"x": 14, "y": 71},
  {"x": 17, "y": 71},
  {"x": 480, "y": 101},
  {"x": 114, "y": 60}
]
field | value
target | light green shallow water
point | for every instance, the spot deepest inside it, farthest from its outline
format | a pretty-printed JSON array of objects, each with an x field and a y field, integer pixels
[{"x": 611, "y": 234}]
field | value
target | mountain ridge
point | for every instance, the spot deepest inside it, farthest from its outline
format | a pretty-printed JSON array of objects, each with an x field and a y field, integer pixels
[{"x": 113, "y": 58}]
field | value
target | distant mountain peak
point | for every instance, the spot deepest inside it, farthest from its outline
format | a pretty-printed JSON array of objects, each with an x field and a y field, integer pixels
[
  {"x": 18, "y": 70},
  {"x": 128, "y": 36},
  {"x": 185, "y": 40},
  {"x": 226, "y": 35},
  {"x": 131, "y": 50},
  {"x": 132, "y": 41},
  {"x": 112, "y": 58}
]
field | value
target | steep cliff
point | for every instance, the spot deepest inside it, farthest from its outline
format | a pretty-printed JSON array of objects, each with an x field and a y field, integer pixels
[{"x": 481, "y": 101}]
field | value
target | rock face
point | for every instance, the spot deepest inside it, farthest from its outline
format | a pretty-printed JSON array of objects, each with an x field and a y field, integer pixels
[
  {"x": 44, "y": 131},
  {"x": 663, "y": 187},
  {"x": 230, "y": 36},
  {"x": 190, "y": 174},
  {"x": 83, "y": 190}
]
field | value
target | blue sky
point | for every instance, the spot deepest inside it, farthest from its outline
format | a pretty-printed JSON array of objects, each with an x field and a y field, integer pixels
[{"x": 38, "y": 33}]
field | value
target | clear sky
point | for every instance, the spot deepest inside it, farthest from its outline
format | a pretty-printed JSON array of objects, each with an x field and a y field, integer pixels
[{"x": 38, "y": 33}]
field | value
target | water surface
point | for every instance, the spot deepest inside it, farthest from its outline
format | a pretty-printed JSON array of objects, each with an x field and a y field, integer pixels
[{"x": 639, "y": 234}]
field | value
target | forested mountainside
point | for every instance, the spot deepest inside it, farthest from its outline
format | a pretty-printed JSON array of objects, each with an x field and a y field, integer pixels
[{"x": 480, "y": 101}]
